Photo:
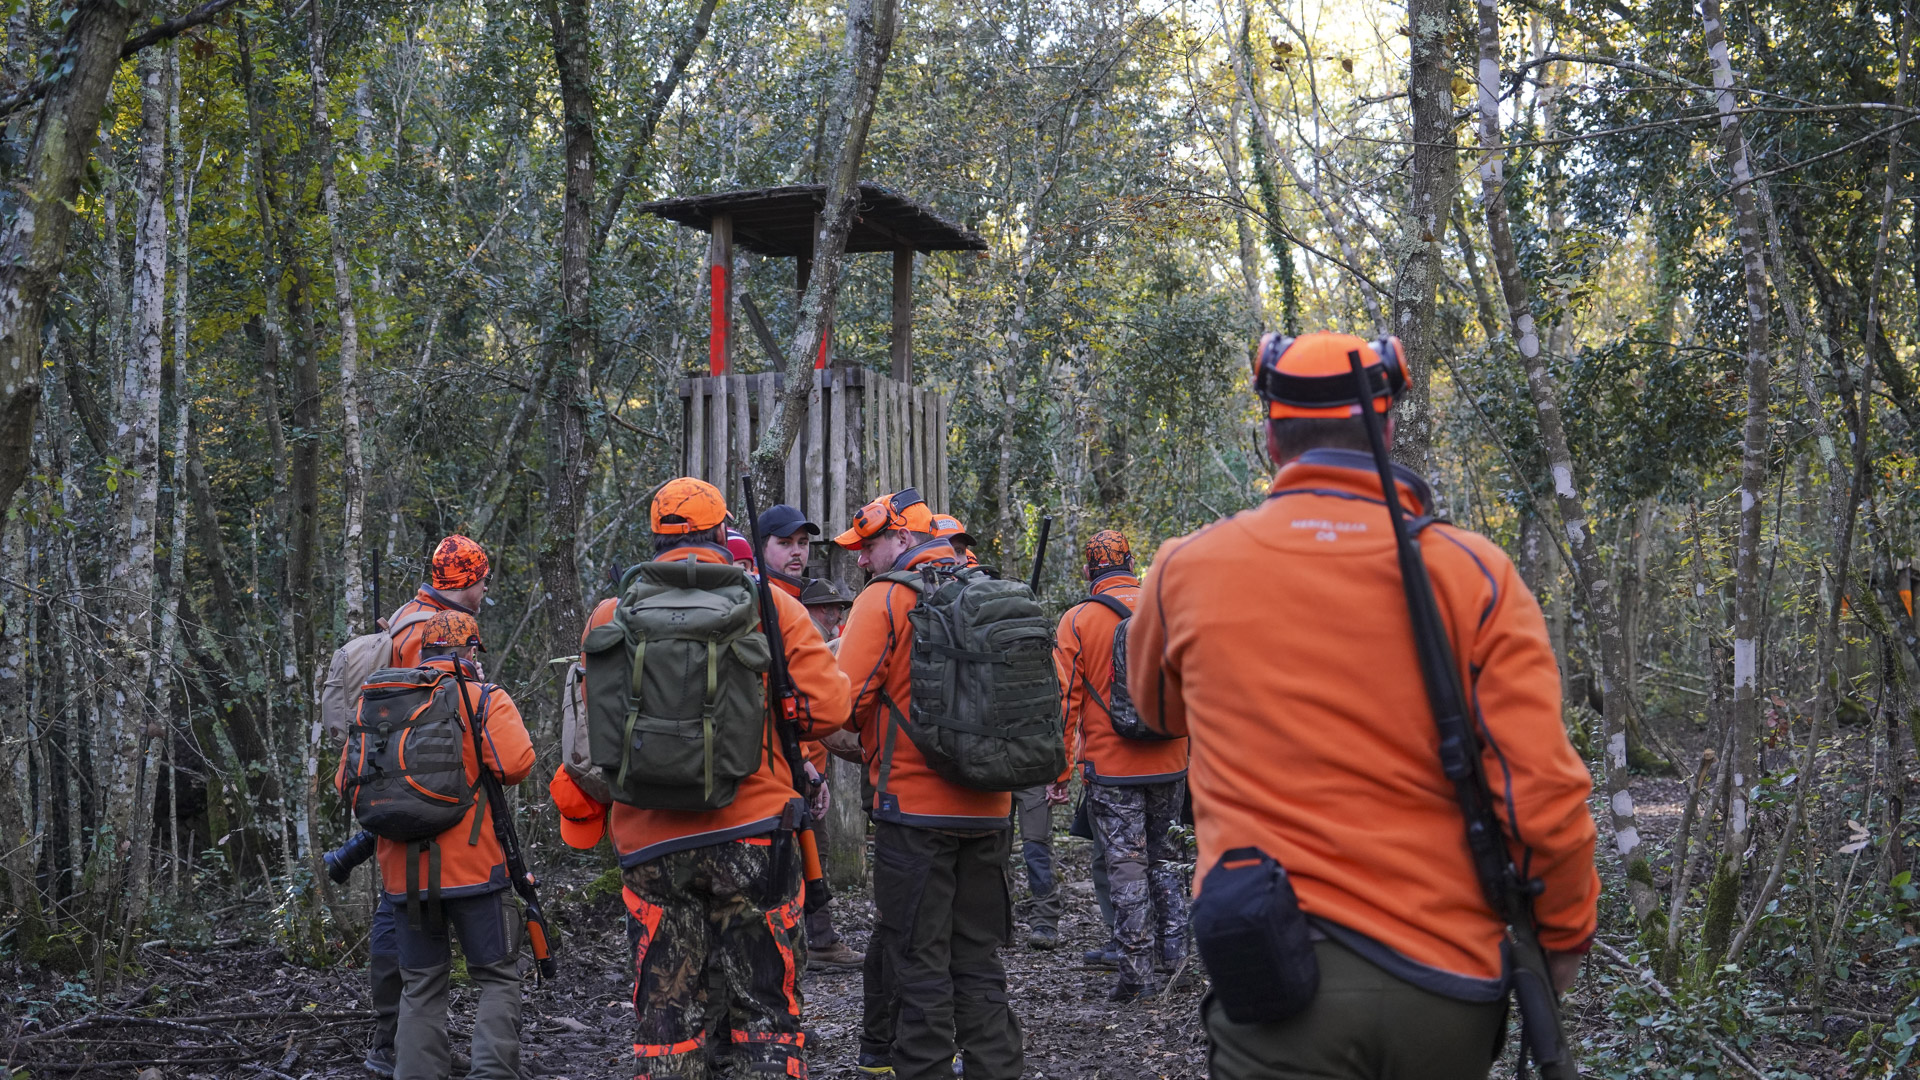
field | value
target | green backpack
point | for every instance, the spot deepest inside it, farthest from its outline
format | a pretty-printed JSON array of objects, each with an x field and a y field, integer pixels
[
  {"x": 676, "y": 706},
  {"x": 986, "y": 699}
]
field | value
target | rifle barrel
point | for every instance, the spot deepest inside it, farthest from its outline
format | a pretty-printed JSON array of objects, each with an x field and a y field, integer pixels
[{"x": 1040, "y": 554}]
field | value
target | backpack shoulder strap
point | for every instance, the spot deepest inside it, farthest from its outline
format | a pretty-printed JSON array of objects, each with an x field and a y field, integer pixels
[{"x": 1111, "y": 603}]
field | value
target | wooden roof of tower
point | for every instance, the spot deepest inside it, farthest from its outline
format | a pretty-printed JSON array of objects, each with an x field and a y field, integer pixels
[{"x": 779, "y": 221}]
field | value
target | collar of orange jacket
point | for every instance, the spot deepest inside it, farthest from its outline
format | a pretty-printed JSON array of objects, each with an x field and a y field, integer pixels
[
  {"x": 445, "y": 663},
  {"x": 931, "y": 551},
  {"x": 698, "y": 552},
  {"x": 1351, "y": 472},
  {"x": 1113, "y": 579}
]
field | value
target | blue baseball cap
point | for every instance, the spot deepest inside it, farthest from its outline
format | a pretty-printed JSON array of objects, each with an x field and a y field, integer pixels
[{"x": 783, "y": 520}]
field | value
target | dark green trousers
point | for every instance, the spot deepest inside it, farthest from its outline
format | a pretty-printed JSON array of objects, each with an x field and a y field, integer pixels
[
  {"x": 1364, "y": 1025},
  {"x": 943, "y": 915}
]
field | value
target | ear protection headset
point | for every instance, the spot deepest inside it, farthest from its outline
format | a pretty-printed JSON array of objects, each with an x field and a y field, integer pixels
[
  {"x": 875, "y": 516},
  {"x": 1322, "y": 386}
]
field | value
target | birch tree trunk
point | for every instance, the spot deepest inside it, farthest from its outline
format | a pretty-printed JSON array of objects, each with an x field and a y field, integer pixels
[
  {"x": 871, "y": 26},
  {"x": 1430, "y": 190},
  {"x": 1724, "y": 889},
  {"x": 1569, "y": 503},
  {"x": 33, "y": 243},
  {"x": 130, "y": 577},
  {"x": 353, "y": 468}
]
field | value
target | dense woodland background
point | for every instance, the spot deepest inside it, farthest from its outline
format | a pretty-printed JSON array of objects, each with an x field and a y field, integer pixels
[{"x": 297, "y": 288}]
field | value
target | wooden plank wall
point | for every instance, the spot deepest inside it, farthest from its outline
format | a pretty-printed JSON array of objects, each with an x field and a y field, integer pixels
[{"x": 864, "y": 434}]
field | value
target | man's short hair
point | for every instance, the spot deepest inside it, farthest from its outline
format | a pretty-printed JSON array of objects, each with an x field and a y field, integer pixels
[
  {"x": 1294, "y": 435},
  {"x": 914, "y": 539},
  {"x": 668, "y": 541}
]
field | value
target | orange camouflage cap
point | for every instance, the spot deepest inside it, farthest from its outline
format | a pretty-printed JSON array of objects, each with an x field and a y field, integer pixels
[
  {"x": 687, "y": 505},
  {"x": 459, "y": 563},
  {"x": 1109, "y": 547},
  {"x": 904, "y": 509},
  {"x": 452, "y": 630},
  {"x": 1310, "y": 377}
]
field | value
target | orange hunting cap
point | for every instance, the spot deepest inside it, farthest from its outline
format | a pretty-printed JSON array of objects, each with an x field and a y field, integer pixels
[
  {"x": 904, "y": 509},
  {"x": 948, "y": 527},
  {"x": 459, "y": 563},
  {"x": 452, "y": 630},
  {"x": 1310, "y": 376},
  {"x": 687, "y": 506},
  {"x": 1109, "y": 548},
  {"x": 582, "y": 820}
]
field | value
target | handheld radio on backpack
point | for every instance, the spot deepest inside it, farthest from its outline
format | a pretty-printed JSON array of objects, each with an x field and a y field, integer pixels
[
  {"x": 786, "y": 710},
  {"x": 1040, "y": 555},
  {"x": 523, "y": 881},
  {"x": 1543, "y": 1034}
]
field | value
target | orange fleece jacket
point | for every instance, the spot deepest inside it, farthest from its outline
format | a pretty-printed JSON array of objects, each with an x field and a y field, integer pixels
[
  {"x": 1083, "y": 653},
  {"x": 1278, "y": 639}
]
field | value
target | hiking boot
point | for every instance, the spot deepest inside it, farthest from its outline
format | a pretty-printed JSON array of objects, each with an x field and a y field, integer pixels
[
  {"x": 379, "y": 1060},
  {"x": 1127, "y": 993},
  {"x": 1043, "y": 937},
  {"x": 835, "y": 957},
  {"x": 873, "y": 1065},
  {"x": 1108, "y": 957}
]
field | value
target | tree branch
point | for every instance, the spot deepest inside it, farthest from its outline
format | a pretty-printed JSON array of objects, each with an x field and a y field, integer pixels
[{"x": 153, "y": 35}]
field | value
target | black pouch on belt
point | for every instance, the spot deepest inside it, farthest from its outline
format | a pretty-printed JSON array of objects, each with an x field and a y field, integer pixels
[{"x": 1254, "y": 939}]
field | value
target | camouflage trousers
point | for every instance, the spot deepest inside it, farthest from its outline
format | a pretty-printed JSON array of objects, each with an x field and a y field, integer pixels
[
  {"x": 718, "y": 953},
  {"x": 1149, "y": 891}
]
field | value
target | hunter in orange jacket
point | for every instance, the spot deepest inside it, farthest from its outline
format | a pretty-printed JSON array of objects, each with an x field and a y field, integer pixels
[
  {"x": 763, "y": 798},
  {"x": 933, "y": 981},
  {"x": 1278, "y": 641},
  {"x": 1083, "y": 653},
  {"x": 460, "y": 578},
  {"x": 466, "y": 869},
  {"x": 875, "y": 654},
  {"x": 701, "y": 885}
]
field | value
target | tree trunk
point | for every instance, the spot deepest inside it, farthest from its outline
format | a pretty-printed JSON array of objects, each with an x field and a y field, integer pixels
[
  {"x": 1591, "y": 581},
  {"x": 172, "y": 598},
  {"x": 33, "y": 243},
  {"x": 569, "y": 451},
  {"x": 130, "y": 577},
  {"x": 353, "y": 469},
  {"x": 871, "y": 26},
  {"x": 16, "y": 669},
  {"x": 1747, "y": 586},
  {"x": 1430, "y": 189}
]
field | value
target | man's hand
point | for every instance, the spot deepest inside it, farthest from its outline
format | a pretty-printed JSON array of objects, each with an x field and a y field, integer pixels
[
  {"x": 1058, "y": 794},
  {"x": 1563, "y": 968},
  {"x": 817, "y": 797}
]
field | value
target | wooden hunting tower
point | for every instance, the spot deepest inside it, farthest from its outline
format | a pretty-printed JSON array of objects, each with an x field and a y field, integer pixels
[{"x": 864, "y": 432}]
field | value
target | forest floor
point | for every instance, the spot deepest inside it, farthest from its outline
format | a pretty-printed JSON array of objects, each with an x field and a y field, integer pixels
[{"x": 237, "y": 1008}]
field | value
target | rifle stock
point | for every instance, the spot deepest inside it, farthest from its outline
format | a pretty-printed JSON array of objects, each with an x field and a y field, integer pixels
[{"x": 1543, "y": 1032}]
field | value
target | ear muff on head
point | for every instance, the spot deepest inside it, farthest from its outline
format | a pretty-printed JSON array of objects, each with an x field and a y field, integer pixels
[{"x": 1311, "y": 376}]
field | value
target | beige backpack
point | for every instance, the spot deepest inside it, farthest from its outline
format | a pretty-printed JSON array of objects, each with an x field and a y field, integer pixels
[
  {"x": 576, "y": 751},
  {"x": 353, "y": 664}
]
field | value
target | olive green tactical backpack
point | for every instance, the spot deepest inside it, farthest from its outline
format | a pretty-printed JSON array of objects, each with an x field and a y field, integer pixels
[
  {"x": 986, "y": 699},
  {"x": 676, "y": 707}
]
